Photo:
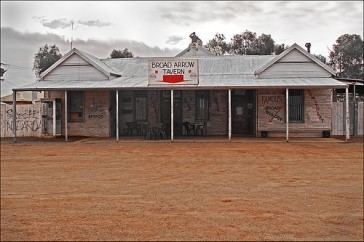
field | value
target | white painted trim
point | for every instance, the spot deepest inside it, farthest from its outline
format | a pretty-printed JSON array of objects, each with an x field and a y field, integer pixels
[
  {"x": 65, "y": 117},
  {"x": 287, "y": 114},
  {"x": 14, "y": 116},
  {"x": 172, "y": 116},
  {"x": 54, "y": 117},
  {"x": 229, "y": 117},
  {"x": 347, "y": 115},
  {"x": 286, "y": 52},
  {"x": 117, "y": 115}
]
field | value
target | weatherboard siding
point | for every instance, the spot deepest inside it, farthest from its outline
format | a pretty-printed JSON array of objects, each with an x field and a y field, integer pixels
[
  {"x": 75, "y": 69},
  {"x": 295, "y": 64}
]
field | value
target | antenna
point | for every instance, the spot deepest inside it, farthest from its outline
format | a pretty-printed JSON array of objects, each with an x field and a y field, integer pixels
[{"x": 71, "y": 33}]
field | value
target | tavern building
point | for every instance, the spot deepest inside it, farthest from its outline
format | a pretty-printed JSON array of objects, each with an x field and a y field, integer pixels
[{"x": 193, "y": 94}]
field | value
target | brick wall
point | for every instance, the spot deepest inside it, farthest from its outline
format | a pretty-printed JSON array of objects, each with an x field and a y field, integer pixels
[
  {"x": 96, "y": 121},
  {"x": 217, "y": 123},
  {"x": 317, "y": 112}
]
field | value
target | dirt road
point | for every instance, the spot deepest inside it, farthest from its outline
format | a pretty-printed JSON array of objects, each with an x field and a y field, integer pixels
[{"x": 181, "y": 191}]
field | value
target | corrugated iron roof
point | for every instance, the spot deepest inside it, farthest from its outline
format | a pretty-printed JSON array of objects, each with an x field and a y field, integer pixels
[
  {"x": 245, "y": 65},
  {"x": 205, "y": 81}
]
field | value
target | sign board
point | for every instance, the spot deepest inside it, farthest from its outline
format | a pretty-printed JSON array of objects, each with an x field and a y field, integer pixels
[{"x": 173, "y": 72}]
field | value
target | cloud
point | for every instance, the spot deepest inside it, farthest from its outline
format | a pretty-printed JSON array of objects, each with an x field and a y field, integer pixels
[
  {"x": 18, "y": 48},
  {"x": 174, "y": 39},
  {"x": 63, "y": 23},
  {"x": 94, "y": 23},
  {"x": 187, "y": 13}
]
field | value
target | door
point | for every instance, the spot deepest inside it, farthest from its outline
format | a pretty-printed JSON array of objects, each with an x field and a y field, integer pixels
[
  {"x": 165, "y": 112},
  {"x": 243, "y": 112}
]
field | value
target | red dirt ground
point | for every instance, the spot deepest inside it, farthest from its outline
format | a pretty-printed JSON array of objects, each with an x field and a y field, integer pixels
[{"x": 181, "y": 191}]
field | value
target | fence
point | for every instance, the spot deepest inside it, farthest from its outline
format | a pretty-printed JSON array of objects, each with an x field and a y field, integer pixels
[
  {"x": 28, "y": 120},
  {"x": 356, "y": 118}
]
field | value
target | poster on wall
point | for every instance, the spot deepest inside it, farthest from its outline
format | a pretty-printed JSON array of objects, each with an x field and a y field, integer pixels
[{"x": 173, "y": 72}]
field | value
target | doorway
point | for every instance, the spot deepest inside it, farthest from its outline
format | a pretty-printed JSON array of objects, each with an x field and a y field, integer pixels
[{"x": 243, "y": 113}]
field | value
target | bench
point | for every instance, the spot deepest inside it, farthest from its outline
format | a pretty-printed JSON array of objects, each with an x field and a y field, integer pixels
[{"x": 325, "y": 133}]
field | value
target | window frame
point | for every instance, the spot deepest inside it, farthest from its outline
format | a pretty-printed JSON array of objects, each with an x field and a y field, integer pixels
[
  {"x": 140, "y": 94},
  {"x": 206, "y": 96},
  {"x": 292, "y": 106},
  {"x": 70, "y": 97}
]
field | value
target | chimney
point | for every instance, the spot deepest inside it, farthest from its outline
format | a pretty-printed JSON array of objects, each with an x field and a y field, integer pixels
[{"x": 308, "y": 46}]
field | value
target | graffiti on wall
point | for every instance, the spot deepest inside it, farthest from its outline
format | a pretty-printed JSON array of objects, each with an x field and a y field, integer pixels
[
  {"x": 28, "y": 120},
  {"x": 273, "y": 106},
  {"x": 317, "y": 107},
  {"x": 95, "y": 112}
]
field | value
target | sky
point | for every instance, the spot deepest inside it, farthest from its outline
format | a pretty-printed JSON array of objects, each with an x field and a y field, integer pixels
[{"x": 162, "y": 28}]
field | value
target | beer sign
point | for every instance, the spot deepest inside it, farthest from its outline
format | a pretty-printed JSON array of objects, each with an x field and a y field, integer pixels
[{"x": 173, "y": 72}]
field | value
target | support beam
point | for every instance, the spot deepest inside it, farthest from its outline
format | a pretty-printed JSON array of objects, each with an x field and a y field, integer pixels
[
  {"x": 229, "y": 117},
  {"x": 14, "y": 116},
  {"x": 172, "y": 118},
  {"x": 355, "y": 126},
  {"x": 117, "y": 115},
  {"x": 287, "y": 114},
  {"x": 54, "y": 117},
  {"x": 65, "y": 116},
  {"x": 347, "y": 118}
]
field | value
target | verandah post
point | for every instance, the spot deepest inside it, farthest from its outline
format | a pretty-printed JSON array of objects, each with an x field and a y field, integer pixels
[
  {"x": 287, "y": 114},
  {"x": 172, "y": 121},
  {"x": 65, "y": 116},
  {"x": 229, "y": 118},
  {"x": 14, "y": 116},
  {"x": 117, "y": 115},
  {"x": 54, "y": 117},
  {"x": 347, "y": 118}
]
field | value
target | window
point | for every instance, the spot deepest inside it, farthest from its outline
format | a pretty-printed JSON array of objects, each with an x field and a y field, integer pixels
[
  {"x": 76, "y": 107},
  {"x": 296, "y": 105},
  {"x": 202, "y": 105},
  {"x": 141, "y": 107}
]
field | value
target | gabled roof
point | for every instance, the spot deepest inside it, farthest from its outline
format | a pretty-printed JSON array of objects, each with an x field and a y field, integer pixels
[
  {"x": 289, "y": 50},
  {"x": 92, "y": 60}
]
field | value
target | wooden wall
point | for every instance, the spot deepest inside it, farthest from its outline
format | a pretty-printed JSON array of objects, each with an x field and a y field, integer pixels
[
  {"x": 294, "y": 64},
  {"x": 28, "y": 120},
  {"x": 75, "y": 69}
]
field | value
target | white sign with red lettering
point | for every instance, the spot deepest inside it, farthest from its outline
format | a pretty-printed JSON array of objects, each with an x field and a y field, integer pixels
[{"x": 173, "y": 72}]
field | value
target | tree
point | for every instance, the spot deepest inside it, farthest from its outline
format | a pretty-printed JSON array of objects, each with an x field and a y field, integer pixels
[
  {"x": 321, "y": 58},
  {"x": 346, "y": 56},
  {"x": 265, "y": 44},
  {"x": 244, "y": 44},
  {"x": 218, "y": 45},
  {"x": 279, "y": 48},
  {"x": 125, "y": 53},
  {"x": 248, "y": 43},
  {"x": 45, "y": 57}
]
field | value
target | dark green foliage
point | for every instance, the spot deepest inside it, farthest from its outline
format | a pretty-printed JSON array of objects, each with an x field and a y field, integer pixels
[
  {"x": 346, "y": 57},
  {"x": 218, "y": 45},
  {"x": 125, "y": 53},
  {"x": 321, "y": 58},
  {"x": 45, "y": 57},
  {"x": 246, "y": 43}
]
